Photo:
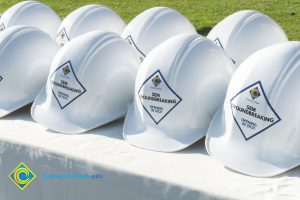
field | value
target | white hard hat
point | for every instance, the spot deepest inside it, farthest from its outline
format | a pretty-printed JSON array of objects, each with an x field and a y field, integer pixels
[
  {"x": 245, "y": 32},
  {"x": 25, "y": 58},
  {"x": 89, "y": 18},
  {"x": 31, "y": 13},
  {"x": 91, "y": 83},
  {"x": 257, "y": 130},
  {"x": 154, "y": 26},
  {"x": 178, "y": 88}
]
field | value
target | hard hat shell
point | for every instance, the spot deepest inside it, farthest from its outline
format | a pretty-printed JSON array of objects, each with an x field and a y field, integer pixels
[
  {"x": 91, "y": 83},
  {"x": 31, "y": 13},
  {"x": 154, "y": 26},
  {"x": 257, "y": 130},
  {"x": 245, "y": 32},
  {"x": 25, "y": 58},
  {"x": 89, "y": 18},
  {"x": 178, "y": 88}
]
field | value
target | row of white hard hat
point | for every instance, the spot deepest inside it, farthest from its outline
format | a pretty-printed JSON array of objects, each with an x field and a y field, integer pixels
[
  {"x": 176, "y": 90},
  {"x": 248, "y": 30}
]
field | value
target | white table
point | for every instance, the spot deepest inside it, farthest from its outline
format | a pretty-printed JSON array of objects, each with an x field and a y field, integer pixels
[{"x": 128, "y": 172}]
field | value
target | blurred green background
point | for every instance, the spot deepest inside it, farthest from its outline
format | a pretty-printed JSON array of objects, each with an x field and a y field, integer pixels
[{"x": 204, "y": 14}]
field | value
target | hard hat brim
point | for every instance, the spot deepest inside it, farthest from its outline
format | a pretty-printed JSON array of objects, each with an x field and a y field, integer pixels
[
  {"x": 5, "y": 112},
  {"x": 51, "y": 118},
  {"x": 7, "y": 109},
  {"x": 136, "y": 133},
  {"x": 225, "y": 150}
]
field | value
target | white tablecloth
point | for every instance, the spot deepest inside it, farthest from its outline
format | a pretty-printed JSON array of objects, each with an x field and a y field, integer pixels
[{"x": 128, "y": 172}]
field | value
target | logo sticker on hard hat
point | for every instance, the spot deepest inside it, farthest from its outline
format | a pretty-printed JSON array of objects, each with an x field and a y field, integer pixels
[
  {"x": 2, "y": 27},
  {"x": 132, "y": 43},
  {"x": 218, "y": 43},
  {"x": 252, "y": 111},
  {"x": 65, "y": 85},
  {"x": 157, "y": 97},
  {"x": 62, "y": 37}
]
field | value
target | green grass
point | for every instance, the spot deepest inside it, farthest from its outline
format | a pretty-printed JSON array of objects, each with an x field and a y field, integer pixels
[{"x": 204, "y": 14}]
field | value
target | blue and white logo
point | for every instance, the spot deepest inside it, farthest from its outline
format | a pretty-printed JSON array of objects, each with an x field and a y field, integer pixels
[
  {"x": 65, "y": 85},
  {"x": 63, "y": 37},
  {"x": 2, "y": 27},
  {"x": 252, "y": 111},
  {"x": 138, "y": 51},
  {"x": 157, "y": 97},
  {"x": 218, "y": 42}
]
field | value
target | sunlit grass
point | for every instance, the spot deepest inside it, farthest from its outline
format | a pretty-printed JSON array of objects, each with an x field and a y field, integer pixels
[{"x": 204, "y": 14}]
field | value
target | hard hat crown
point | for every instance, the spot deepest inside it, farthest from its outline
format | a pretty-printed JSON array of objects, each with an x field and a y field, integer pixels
[
  {"x": 245, "y": 32},
  {"x": 89, "y": 18},
  {"x": 154, "y": 26},
  {"x": 31, "y": 13}
]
